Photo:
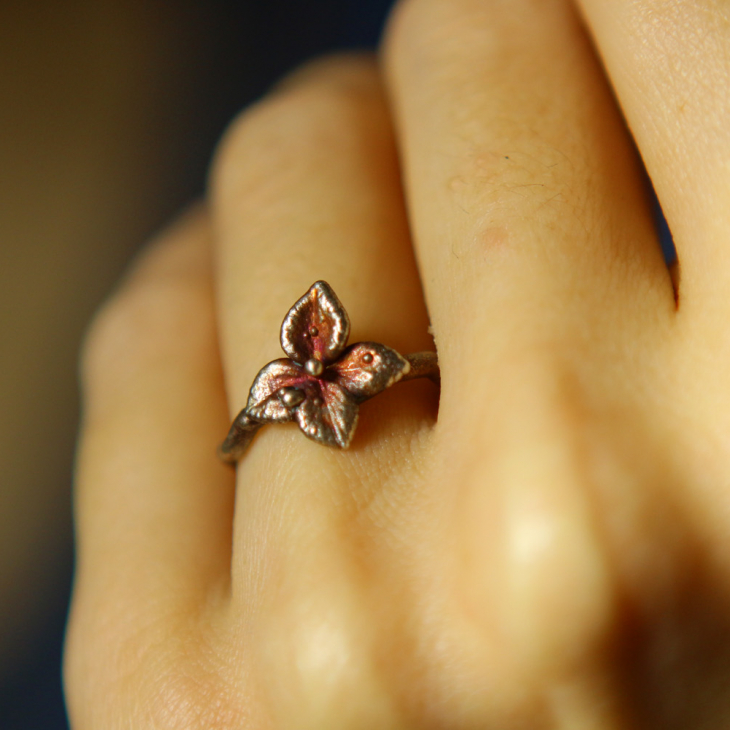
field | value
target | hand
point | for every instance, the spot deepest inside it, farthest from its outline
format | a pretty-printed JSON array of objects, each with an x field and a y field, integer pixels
[{"x": 552, "y": 551}]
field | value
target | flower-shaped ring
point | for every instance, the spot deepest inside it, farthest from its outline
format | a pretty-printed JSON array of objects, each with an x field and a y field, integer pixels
[{"x": 322, "y": 382}]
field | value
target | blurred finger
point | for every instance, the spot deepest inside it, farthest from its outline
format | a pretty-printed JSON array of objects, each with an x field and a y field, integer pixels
[
  {"x": 307, "y": 187},
  {"x": 153, "y": 504}
]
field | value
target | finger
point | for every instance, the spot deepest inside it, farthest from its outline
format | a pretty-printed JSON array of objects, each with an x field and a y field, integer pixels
[
  {"x": 529, "y": 211},
  {"x": 545, "y": 282},
  {"x": 153, "y": 504},
  {"x": 307, "y": 187},
  {"x": 669, "y": 64}
]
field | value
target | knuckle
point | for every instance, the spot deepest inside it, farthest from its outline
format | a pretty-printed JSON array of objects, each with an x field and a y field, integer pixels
[
  {"x": 318, "y": 104},
  {"x": 414, "y": 23},
  {"x": 407, "y": 22},
  {"x": 318, "y": 664},
  {"x": 550, "y": 586},
  {"x": 339, "y": 72},
  {"x": 421, "y": 31}
]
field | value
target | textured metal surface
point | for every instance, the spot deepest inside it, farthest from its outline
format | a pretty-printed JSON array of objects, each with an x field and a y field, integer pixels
[{"x": 322, "y": 383}]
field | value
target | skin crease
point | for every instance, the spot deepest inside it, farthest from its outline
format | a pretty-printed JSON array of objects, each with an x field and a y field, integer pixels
[{"x": 543, "y": 543}]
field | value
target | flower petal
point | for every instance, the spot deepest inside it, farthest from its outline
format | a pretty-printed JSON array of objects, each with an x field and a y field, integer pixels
[
  {"x": 329, "y": 417},
  {"x": 367, "y": 368},
  {"x": 264, "y": 403},
  {"x": 316, "y": 327}
]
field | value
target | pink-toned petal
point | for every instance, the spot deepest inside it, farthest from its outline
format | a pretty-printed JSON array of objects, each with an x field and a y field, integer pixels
[
  {"x": 316, "y": 327},
  {"x": 264, "y": 403},
  {"x": 367, "y": 368},
  {"x": 329, "y": 417}
]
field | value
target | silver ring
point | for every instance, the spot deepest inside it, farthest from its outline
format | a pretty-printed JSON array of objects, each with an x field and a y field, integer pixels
[{"x": 322, "y": 382}]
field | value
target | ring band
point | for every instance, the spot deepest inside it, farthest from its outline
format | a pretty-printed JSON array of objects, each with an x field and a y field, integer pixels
[{"x": 322, "y": 382}]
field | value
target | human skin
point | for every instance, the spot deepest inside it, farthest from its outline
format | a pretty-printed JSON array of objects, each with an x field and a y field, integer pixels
[{"x": 543, "y": 544}]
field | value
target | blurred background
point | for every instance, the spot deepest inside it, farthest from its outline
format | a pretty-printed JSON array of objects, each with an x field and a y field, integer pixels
[{"x": 109, "y": 113}]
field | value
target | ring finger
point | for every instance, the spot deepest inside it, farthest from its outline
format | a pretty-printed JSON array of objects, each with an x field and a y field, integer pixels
[{"x": 306, "y": 188}]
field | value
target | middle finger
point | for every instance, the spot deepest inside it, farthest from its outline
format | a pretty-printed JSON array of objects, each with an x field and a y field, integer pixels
[{"x": 529, "y": 207}]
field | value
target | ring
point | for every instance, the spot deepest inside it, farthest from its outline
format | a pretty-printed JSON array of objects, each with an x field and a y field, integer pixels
[{"x": 322, "y": 382}]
